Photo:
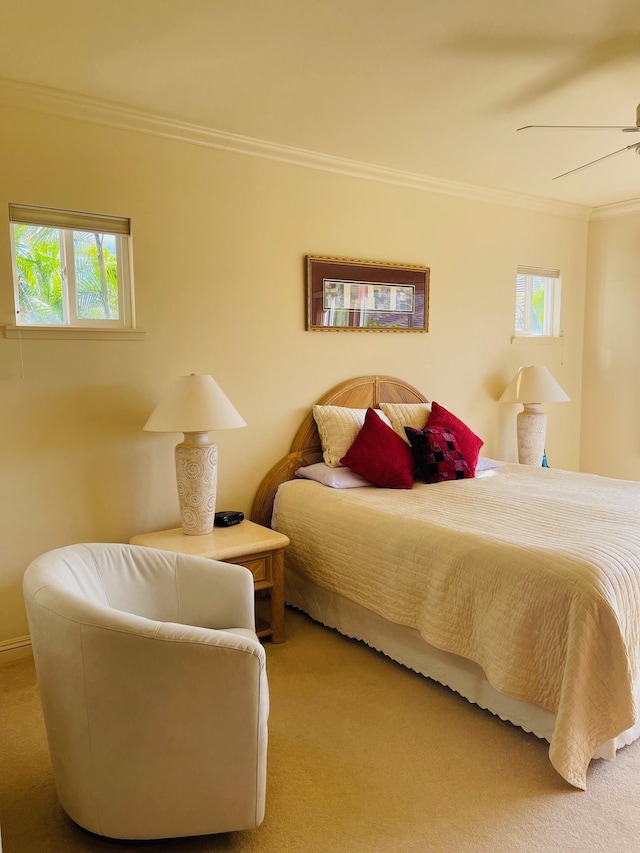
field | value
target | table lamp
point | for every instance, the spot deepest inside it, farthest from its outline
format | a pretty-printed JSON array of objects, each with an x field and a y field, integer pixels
[
  {"x": 532, "y": 386},
  {"x": 195, "y": 405}
]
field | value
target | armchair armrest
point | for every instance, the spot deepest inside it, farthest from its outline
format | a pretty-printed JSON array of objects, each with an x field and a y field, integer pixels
[{"x": 213, "y": 594}]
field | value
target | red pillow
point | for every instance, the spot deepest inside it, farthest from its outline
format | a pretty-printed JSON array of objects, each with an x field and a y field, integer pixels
[
  {"x": 380, "y": 456},
  {"x": 437, "y": 455},
  {"x": 468, "y": 441}
]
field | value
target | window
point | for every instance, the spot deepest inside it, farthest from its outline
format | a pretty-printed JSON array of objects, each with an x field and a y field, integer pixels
[
  {"x": 70, "y": 270},
  {"x": 537, "y": 302}
]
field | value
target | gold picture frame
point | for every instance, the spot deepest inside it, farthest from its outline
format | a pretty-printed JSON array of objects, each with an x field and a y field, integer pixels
[{"x": 345, "y": 294}]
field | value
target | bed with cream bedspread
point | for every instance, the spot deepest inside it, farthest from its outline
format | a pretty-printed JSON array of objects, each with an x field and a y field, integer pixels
[{"x": 534, "y": 574}]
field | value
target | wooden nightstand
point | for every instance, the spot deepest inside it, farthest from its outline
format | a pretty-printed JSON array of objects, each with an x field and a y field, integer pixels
[{"x": 258, "y": 548}]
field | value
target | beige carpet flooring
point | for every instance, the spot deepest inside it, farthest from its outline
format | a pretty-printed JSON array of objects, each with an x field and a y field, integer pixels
[{"x": 364, "y": 755}]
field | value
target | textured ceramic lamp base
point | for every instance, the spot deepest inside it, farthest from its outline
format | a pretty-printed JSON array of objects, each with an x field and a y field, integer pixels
[
  {"x": 532, "y": 429},
  {"x": 197, "y": 476}
]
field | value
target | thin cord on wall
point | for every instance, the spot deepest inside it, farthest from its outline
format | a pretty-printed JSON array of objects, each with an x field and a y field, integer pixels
[{"x": 227, "y": 141}]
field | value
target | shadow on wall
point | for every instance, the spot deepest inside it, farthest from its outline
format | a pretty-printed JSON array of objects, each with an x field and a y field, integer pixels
[{"x": 94, "y": 467}]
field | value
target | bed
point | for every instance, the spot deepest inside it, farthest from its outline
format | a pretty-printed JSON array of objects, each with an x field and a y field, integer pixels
[{"x": 518, "y": 588}]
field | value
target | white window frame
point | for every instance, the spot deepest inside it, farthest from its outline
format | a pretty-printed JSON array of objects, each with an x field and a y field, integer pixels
[
  {"x": 553, "y": 294},
  {"x": 66, "y": 222}
]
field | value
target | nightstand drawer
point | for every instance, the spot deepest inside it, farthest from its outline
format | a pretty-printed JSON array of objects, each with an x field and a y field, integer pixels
[{"x": 259, "y": 568}]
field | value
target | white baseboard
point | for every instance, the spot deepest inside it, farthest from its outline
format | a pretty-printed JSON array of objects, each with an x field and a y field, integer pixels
[{"x": 16, "y": 649}]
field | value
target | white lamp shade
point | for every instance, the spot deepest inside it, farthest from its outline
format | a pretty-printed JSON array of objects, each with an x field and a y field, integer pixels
[
  {"x": 532, "y": 386},
  {"x": 194, "y": 404}
]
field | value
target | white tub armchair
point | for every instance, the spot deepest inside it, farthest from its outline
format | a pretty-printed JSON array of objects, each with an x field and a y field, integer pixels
[{"x": 153, "y": 687}]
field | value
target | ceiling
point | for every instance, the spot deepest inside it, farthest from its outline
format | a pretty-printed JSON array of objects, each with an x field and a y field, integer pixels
[{"x": 431, "y": 87}]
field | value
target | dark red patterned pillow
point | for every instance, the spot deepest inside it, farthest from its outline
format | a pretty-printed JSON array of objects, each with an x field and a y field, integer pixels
[
  {"x": 468, "y": 441},
  {"x": 437, "y": 455},
  {"x": 380, "y": 456}
]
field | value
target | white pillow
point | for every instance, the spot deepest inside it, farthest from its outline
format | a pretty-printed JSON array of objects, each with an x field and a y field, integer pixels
[
  {"x": 486, "y": 464},
  {"x": 335, "y": 478},
  {"x": 338, "y": 428},
  {"x": 406, "y": 414}
]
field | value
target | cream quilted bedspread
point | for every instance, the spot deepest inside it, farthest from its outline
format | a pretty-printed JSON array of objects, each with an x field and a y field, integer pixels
[{"x": 532, "y": 573}]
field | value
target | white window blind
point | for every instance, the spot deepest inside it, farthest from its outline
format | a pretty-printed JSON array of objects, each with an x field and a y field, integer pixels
[{"x": 50, "y": 217}]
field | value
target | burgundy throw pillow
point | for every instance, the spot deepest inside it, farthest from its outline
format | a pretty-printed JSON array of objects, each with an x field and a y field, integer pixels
[
  {"x": 380, "y": 456},
  {"x": 468, "y": 441},
  {"x": 437, "y": 455}
]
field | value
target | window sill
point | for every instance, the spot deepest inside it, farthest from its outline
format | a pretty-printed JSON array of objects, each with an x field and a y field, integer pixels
[
  {"x": 537, "y": 339},
  {"x": 68, "y": 333}
]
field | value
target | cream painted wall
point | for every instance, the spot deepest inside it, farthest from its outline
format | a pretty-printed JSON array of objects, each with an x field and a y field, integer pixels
[
  {"x": 219, "y": 241},
  {"x": 612, "y": 350}
]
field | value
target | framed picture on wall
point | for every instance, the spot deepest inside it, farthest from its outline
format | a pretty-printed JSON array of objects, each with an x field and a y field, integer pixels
[{"x": 349, "y": 295}]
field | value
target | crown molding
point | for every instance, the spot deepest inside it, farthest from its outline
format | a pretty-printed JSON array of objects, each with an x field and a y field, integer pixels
[
  {"x": 65, "y": 104},
  {"x": 621, "y": 208}
]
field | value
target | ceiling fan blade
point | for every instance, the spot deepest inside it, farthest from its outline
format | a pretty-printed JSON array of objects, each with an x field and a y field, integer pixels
[
  {"x": 578, "y": 127},
  {"x": 636, "y": 145},
  {"x": 625, "y": 129}
]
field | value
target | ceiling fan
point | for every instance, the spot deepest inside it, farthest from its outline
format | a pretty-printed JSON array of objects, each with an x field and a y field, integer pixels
[{"x": 632, "y": 129}]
